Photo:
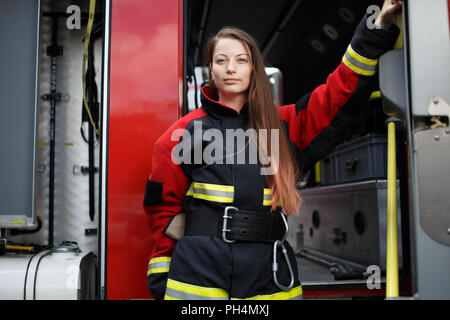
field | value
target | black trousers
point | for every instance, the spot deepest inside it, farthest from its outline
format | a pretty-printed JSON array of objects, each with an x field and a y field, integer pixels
[{"x": 204, "y": 267}]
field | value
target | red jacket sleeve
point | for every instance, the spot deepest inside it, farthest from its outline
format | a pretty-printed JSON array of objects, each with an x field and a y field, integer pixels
[
  {"x": 164, "y": 198},
  {"x": 307, "y": 120},
  {"x": 321, "y": 120},
  {"x": 165, "y": 192}
]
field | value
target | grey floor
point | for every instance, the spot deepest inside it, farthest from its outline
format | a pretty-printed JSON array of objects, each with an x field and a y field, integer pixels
[{"x": 311, "y": 271}]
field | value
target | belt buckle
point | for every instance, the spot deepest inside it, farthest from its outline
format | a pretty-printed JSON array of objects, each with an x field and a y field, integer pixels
[{"x": 225, "y": 229}]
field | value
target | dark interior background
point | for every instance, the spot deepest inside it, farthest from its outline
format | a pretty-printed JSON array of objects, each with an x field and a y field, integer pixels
[{"x": 301, "y": 22}]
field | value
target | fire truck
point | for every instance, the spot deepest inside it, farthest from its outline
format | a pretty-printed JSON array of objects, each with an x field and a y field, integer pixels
[{"x": 87, "y": 87}]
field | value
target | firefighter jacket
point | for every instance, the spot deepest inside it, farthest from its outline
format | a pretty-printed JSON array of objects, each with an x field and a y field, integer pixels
[{"x": 314, "y": 125}]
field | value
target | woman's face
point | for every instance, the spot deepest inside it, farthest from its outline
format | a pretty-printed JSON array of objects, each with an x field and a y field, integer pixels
[{"x": 230, "y": 68}]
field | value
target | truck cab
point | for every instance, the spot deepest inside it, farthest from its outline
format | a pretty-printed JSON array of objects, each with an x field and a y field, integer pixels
[{"x": 91, "y": 85}]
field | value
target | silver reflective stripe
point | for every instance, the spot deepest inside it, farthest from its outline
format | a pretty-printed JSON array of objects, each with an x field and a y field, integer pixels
[
  {"x": 293, "y": 294},
  {"x": 177, "y": 290},
  {"x": 175, "y": 294},
  {"x": 211, "y": 192},
  {"x": 360, "y": 65},
  {"x": 267, "y": 197},
  {"x": 159, "y": 265}
]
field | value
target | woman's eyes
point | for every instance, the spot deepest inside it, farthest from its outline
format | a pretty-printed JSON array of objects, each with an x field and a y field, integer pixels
[{"x": 240, "y": 60}]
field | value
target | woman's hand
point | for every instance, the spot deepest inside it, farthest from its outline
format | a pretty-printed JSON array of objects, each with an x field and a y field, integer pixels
[{"x": 391, "y": 9}]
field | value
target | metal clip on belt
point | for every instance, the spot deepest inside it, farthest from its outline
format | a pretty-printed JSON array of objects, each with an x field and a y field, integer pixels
[
  {"x": 276, "y": 244},
  {"x": 225, "y": 229}
]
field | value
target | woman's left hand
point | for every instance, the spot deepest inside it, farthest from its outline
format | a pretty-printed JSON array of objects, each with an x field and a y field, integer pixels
[{"x": 391, "y": 9}]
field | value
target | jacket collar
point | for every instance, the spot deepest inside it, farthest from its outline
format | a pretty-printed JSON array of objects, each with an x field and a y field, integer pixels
[{"x": 218, "y": 109}]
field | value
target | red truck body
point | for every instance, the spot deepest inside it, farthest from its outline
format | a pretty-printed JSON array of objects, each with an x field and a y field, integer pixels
[{"x": 146, "y": 76}]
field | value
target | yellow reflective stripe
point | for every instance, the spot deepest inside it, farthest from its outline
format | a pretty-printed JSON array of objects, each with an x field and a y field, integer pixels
[
  {"x": 158, "y": 265},
  {"x": 356, "y": 69},
  {"x": 157, "y": 270},
  {"x": 180, "y": 290},
  {"x": 364, "y": 60},
  {"x": 267, "y": 198},
  {"x": 212, "y": 198},
  {"x": 160, "y": 259},
  {"x": 211, "y": 192},
  {"x": 197, "y": 290},
  {"x": 375, "y": 95},
  {"x": 209, "y": 186},
  {"x": 269, "y": 203},
  {"x": 296, "y": 292},
  {"x": 166, "y": 297},
  {"x": 359, "y": 63}
]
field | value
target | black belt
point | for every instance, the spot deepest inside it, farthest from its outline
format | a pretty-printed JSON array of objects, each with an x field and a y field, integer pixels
[{"x": 232, "y": 224}]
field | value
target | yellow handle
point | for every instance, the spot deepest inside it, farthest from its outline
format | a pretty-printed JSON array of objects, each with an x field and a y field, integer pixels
[
  {"x": 375, "y": 95},
  {"x": 399, "y": 22},
  {"x": 391, "y": 242},
  {"x": 85, "y": 53},
  {"x": 17, "y": 247},
  {"x": 398, "y": 44},
  {"x": 318, "y": 177}
]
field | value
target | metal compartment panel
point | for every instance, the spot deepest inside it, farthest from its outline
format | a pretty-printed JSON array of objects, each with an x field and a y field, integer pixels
[
  {"x": 18, "y": 90},
  {"x": 347, "y": 221}
]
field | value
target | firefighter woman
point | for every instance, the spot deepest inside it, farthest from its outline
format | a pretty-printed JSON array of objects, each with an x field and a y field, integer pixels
[{"x": 235, "y": 207}]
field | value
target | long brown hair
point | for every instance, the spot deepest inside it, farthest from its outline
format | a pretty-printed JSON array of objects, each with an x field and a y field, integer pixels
[{"x": 264, "y": 115}]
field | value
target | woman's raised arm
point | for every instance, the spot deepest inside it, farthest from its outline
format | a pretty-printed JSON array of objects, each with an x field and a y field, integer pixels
[{"x": 320, "y": 120}]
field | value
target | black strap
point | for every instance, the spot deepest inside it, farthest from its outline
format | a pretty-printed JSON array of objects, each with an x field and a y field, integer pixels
[{"x": 244, "y": 225}]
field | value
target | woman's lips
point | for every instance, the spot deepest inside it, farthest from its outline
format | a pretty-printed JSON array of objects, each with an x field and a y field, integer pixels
[{"x": 231, "y": 80}]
